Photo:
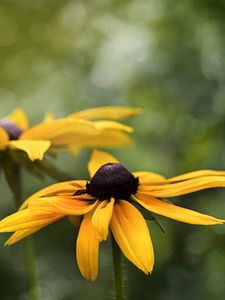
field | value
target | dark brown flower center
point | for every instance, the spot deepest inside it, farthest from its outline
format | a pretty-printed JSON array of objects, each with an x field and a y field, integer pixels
[
  {"x": 112, "y": 181},
  {"x": 13, "y": 130}
]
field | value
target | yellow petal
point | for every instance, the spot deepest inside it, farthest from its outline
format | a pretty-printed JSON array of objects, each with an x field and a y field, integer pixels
[
  {"x": 101, "y": 218},
  {"x": 185, "y": 187},
  {"x": 26, "y": 219},
  {"x": 175, "y": 212},
  {"x": 106, "y": 124},
  {"x": 196, "y": 174},
  {"x": 99, "y": 158},
  {"x": 19, "y": 117},
  {"x": 109, "y": 112},
  {"x": 61, "y": 132},
  {"x": 67, "y": 188},
  {"x": 34, "y": 149},
  {"x": 87, "y": 249},
  {"x": 104, "y": 139},
  {"x": 131, "y": 234},
  {"x": 148, "y": 178},
  {"x": 4, "y": 138},
  {"x": 21, "y": 234},
  {"x": 61, "y": 205}
]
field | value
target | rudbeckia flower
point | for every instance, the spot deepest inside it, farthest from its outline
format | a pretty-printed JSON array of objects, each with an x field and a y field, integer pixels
[
  {"x": 110, "y": 201},
  {"x": 95, "y": 127}
]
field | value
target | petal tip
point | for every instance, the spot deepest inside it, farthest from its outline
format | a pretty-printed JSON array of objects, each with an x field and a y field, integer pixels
[{"x": 7, "y": 244}]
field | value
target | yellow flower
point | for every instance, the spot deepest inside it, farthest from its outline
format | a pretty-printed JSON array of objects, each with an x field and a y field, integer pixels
[
  {"x": 110, "y": 200},
  {"x": 89, "y": 128}
]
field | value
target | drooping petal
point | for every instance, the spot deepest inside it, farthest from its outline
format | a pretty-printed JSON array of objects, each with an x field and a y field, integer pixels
[
  {"x": 185, "y": 187},
  {"x": 4, "y": 138},
  {"x": 87, "y": 249},
  {"x": 61, "y": 132},
  {"x": 196, "y": 174},
  {"x": 34, "y": 149},
  {"x": 61, "y": 205},
  {"x": 21, "y": 234},
  {"x": 132, "y": 235},
  {"x": 106, "y": 138},
  {"x": 109, "y": 112},
  {"x": 175, "y": 212},
  {"x": 99, "y": 158},
  {"x": 149, "y": 178},
  {"x": 26, "y": 219},
  {"x": 67, "y": 188},
  {"x": 19, "y": 117},
  {"x": 106, "y": 124},
  {"x": 101, "y": 218}
]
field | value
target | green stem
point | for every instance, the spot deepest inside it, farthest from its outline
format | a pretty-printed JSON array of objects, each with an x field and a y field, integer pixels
[
  {"x": 118, "y": 274},
  {"x": 52, "y": 171},
  {"x": 13, "y": 176},
  {"x": 29, "y": 266}
]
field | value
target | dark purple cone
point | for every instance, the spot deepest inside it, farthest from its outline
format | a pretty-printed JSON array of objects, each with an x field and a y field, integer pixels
[
  {"x": 112, "y": 180},
  {"x": 13, "y": 130}
]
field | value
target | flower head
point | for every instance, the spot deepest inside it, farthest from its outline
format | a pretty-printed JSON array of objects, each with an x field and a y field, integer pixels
[
  {"x": 112, "y": 180},
  {"x": 110, "y": 200},
  {"x": 85, "y": 129}
]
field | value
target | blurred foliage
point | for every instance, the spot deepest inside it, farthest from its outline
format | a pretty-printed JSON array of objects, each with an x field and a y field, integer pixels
[{"x": 164, "y": 56}]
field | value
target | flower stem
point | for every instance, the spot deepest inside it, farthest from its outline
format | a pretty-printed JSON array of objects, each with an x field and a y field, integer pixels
[
  {"x": 118, "y": 274},
  {"x": 52, "y": 171},
  {"x": 13, "y": 176},
  {"x": 29, "y": 265}
]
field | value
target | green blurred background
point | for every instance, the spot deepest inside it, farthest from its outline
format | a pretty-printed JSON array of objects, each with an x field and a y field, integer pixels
[{"x": 164, "y": 56}]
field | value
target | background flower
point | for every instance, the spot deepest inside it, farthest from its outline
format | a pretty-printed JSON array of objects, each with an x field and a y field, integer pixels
[{"x": 73, "y": 132}]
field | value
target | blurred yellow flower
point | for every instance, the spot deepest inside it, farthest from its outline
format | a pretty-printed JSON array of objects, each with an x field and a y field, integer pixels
[
  {"x": 88, "y": 128},
  {"x": 111, "y": 200}
]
